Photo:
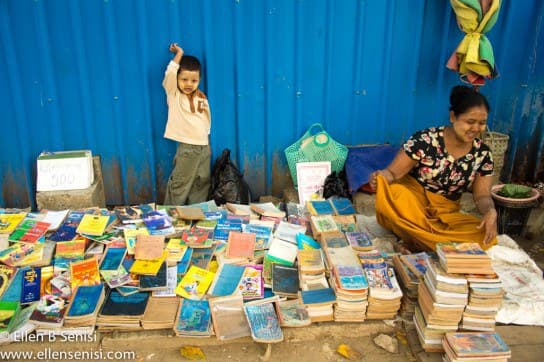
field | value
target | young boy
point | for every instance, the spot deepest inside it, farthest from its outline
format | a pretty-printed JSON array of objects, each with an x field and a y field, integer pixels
[{"x": 189, "y": 123}]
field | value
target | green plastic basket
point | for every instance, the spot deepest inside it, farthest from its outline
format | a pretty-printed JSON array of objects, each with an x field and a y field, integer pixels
[{"x": 315, "y": 146}]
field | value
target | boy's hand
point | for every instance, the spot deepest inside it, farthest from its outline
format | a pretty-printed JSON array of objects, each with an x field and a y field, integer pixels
[{"x": 176, "y": 49}]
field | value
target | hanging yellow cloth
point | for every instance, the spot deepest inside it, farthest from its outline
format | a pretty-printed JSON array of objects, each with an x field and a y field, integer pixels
[
  {"x": 424, "y": 218},
  {"x": 474, "y": 58}
]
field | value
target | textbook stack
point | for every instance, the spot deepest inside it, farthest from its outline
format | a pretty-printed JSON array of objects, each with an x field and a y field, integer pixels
[
  {"x": 464, "y": 258},
  {"x": 484, "y": 299},
  {"x": 442, "y": 298},
  {"x": 384, "y": 292},
  {"x": 347, "y": 279},
  {"x": 475, "y": 346},
  {"x": 408, "y": 282}
]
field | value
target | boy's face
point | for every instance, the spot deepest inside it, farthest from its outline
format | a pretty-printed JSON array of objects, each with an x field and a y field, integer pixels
[{"x": 188, "y": 80}]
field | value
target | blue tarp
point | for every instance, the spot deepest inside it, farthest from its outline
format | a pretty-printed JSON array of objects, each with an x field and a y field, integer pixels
[{"x": 364, "y": 160}]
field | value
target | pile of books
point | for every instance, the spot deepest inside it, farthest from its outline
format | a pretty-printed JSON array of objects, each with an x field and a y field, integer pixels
[
  {"x": 484, "y": 299},
  {"x": 442, "y": 298},
  {"x": 384, "y": 292},
  {"x": 347, "y": 279},
  {"x": 464, "y": 258},
  {"x": 475, "y": 346},
  {"x": 410, "y": 270}
]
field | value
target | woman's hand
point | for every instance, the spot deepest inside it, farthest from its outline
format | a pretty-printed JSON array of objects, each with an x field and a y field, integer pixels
[{"x": 489, "y": 222}]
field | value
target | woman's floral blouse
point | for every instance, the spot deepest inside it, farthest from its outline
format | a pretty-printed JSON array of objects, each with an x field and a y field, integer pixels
[{"x": 438, "y": 171}]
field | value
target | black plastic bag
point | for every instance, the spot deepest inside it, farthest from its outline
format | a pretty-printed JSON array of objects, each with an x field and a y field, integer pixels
[
  {"x": 336, "y": 184},
  {"x": 227, "y": 182}
]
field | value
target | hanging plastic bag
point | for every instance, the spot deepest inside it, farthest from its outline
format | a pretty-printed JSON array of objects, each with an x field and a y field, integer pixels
[{"x": 227, "y": 182}]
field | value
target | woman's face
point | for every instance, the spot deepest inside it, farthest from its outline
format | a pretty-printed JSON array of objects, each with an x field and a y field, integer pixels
[{"x": 470, "y": 124}]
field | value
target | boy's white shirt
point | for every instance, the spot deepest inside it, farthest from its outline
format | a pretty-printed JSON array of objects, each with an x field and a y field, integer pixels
[{"x": 182, "y": 124}]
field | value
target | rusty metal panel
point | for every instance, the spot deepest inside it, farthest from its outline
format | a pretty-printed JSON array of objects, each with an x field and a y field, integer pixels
[{"x": 87, "y": 75}]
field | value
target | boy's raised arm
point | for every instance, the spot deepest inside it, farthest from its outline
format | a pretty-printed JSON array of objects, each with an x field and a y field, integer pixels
[{"x": 170, "y": 82}]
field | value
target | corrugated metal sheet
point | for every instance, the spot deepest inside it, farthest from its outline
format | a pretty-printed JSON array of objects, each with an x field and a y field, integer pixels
[{"x": 87, "y": 75}]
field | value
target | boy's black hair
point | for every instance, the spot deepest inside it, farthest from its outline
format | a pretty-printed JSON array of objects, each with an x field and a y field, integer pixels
[{"x": 188, "y": 62}]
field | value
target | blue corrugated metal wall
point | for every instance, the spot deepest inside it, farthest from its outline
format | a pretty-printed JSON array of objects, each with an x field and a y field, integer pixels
[{"x": 87, "y": 75}]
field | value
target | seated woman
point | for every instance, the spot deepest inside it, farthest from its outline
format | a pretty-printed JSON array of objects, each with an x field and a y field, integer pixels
[{"x": 417, "y": 195}]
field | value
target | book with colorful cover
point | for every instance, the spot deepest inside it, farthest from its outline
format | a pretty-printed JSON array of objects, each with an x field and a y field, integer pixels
[
  {"x": 318, "y": 296},
  {"x": 176, "y": 250},
  {"x": 116, "y": 278},
  {"x": 148, "y": 266},
  {"x": 252, "y": 285},
  {"x": 149, "y": 247},
  {"x": 207, "y": 224},
  {"x": 185, "y": 262},
  {"x": 8, "y": 314},
  {"x": 67, "y": 231},
  {"x": 226, "y": 281},
  {"x": 201, "y": 257},
  {"x": 460, "y": 250},
  {"x": 320, "y": 207},
  {"x": 195, "y": 283},
  {"x": 476, "y": 344},
  {"x": 342, "y": 206},
  {"x": 93, "y": 224},
  {"x": 197, "y": 238},
  {"x": 113, "y": 258},
  {"x": 132, "y": 214},
  {"x": 14, "y": 289},
  {"x": 117, "y": 304},
  {"x": 8, "y": 222},
  {"x": 193, "y": 318},
  {"x": 49, "y": 312},
  {"x": 417, "y": 263},
  {"x": 267, "y": 209},
  {"x": 158, "y": 222},
  {"x": 263, "y": 235},
  {"x": 68, "y": 252},
  {"x": 285, "y": 280},
  {"x": 130, "y": 237},
  {"x": 84, "y": 272},
  {"x": 85, "y": 300},
  {"x": 29, "y": 231},
  {"x": 263, "y": 320},
  {"x": 16, "y": 253},
  {"x": 158, "y": 281},
  {"x": 292, "y": 313},
  {"x": 31, "y": 282},
  {"x": 240, "y": 245},
  {"x": 359, "y": 240},
  {"x": 350, "y": 277},
  {"x": 345, "y": 223},
  {"x": 6, "y": 276}
]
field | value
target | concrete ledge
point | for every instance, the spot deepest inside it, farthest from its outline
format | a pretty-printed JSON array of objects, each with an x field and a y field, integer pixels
[{"x": 166, "y": 338}]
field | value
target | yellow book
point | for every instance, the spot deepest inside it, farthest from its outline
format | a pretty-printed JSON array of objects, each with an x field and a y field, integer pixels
[
  {"x": 130, "y": 238},
  {"x": 8, "y": 222},
  {"x": 176, "y": 249},
  {"x": 93, "y": 224},
  {"x": 148, "y": 266},
  {"x": 195, "y": 283}
]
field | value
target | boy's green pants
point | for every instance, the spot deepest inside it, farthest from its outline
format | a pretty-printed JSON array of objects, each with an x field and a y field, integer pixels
[{"x": 189, "y": 181}]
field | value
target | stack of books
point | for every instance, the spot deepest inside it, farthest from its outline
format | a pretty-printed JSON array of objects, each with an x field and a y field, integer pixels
[
  {"x": 319, "y": 304},
  {"x": 384, "y": 292},
  {"x": 347, "y": 278},
  {"x": 311, "y": 269},
  {"x": 475, "y": 346},
  {"x": 442, "y": 298},
  {"x": 193, "y": 318},
  {"x": 408, "y": 282},
  {"x": 464, "y": 258},
  {"x": 121, "y": 312},
  {"x": 84, "y": 306},
  {"x": 160, "y": 313},
  {"x": 484, "y": 300}
]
